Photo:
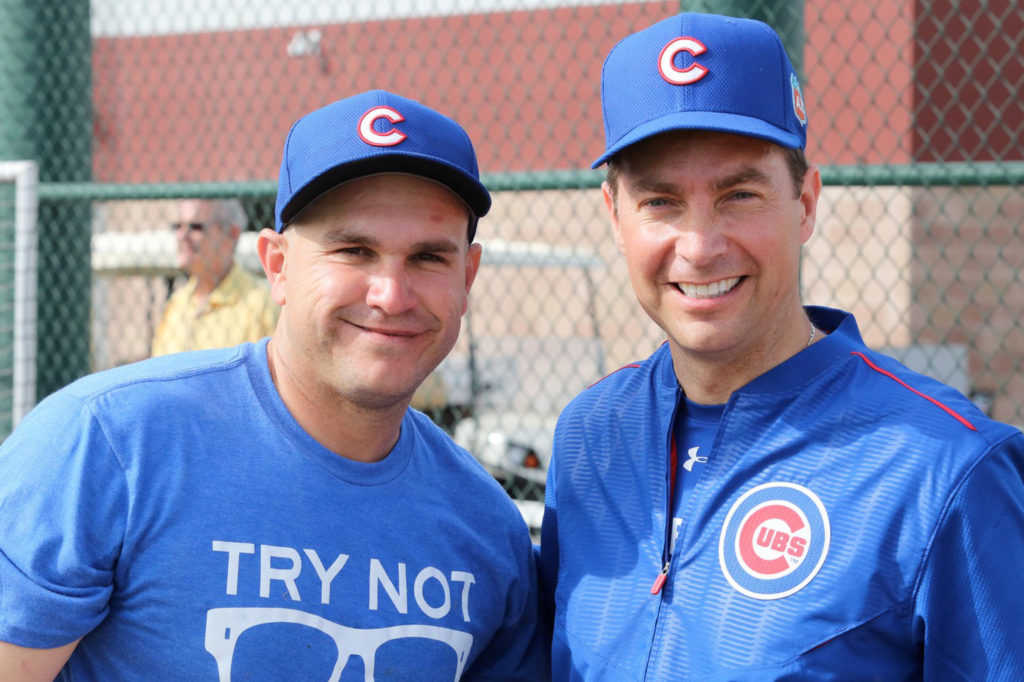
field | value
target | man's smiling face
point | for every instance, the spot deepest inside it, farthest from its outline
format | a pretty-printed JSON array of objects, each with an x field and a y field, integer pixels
[
  {"x": 375, "y": 280},
  {"x": 711, "y": 227}
]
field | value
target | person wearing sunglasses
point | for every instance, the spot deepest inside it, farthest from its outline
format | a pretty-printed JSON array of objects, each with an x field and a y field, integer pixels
[
  {"x": 220, "y": 304},
  {"x": 276, "y": 510}
]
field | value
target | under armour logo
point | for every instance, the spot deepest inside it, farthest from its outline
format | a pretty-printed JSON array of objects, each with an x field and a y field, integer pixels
[{"x": 692, "y": 454}]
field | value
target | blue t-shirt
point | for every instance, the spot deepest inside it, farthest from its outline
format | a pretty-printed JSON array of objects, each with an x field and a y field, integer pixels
[
  {"x": 693, "y": 437},
  {"x": 176, "y": 516}
]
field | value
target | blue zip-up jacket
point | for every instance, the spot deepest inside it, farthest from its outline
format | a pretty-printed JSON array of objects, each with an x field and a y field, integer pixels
[{"x": 854, "y": 521}]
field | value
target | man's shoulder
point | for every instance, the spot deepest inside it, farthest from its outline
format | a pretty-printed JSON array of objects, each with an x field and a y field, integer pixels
[
  {"x": 125, "y": 405},
  {"x": 157, "y": 375},
  {"x": 910, "y": 396},
  {"x": 904, "y": 420},
  {"x": 438, "y": 444},
  {"x": 883, "y": 391},
  {"x": 457, "y": 467},
  {"x": 652, "y": 375}
]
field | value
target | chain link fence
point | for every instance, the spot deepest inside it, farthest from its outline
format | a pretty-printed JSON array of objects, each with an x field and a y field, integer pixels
[{"x": 916, "y": 118}]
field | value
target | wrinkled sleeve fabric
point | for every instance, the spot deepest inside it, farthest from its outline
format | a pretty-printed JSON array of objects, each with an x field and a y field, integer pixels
[
  {"x": 970, "y": 596},
  {"x": 548, "y": 567},
  {"x": 518, "y": 651},
  {"x": 63, "y": 509},
  {"x": 547, "y": 555}
]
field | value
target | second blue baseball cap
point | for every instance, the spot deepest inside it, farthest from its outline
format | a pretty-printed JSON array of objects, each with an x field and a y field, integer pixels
[
  {"x": 376, "y": 132},
  {"x": 701, "y": 72}
]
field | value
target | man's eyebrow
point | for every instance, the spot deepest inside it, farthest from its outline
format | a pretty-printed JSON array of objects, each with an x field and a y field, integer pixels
[
  {"x": 435, "y": 246},
  {"x": 743, "y": 177},
  {"x": 344, "y": 236},
  {"x": 652, "y": 185},
  {"x": 740, "y": 177}
]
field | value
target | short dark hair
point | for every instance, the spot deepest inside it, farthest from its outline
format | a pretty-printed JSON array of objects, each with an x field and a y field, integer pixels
[{"x": 796, "y": 161}]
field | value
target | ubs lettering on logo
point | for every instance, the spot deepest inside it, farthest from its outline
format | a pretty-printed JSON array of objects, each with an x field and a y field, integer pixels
[{"x": 774, "y": 540}]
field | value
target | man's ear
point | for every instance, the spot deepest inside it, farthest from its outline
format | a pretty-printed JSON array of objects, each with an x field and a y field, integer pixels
[
  {"x": 472, "y": 268},
  {"x": 272, "y": 247},
  {"x": 613, "y": 214},
  {"x": 809, "y": 195}
]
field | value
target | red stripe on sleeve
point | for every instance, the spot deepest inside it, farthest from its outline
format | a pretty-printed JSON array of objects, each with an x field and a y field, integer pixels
[
  {"x": 902, "y": 383},
  {"x": 630, "y": 366}
]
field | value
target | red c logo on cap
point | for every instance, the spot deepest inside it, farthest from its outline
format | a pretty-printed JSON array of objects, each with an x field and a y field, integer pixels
[
  {"x": 371, "y": 136},
  {"x": 666, "y": 61}
]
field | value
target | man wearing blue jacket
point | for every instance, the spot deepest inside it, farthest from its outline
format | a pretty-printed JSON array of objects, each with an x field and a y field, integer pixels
[{"x": 763, "y": 497}]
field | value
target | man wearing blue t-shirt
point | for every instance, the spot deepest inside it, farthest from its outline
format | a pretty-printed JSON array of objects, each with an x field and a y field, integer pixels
[
  {"x": 763, "y": 497},
  {"x": 275, "y": 510}
]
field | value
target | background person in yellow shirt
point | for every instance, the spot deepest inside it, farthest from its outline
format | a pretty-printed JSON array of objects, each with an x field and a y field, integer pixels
[{"x": 221, "y": 304}]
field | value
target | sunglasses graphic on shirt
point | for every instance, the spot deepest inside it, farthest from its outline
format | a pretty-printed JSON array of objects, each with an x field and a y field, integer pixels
[{"x": 225, "y": 625}]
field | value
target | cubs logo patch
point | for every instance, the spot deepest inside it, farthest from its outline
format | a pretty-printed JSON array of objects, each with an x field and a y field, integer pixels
[
  {"x": 667, "y": 61},
  {"x": 369, "y": 133},
  {"x": 774, "y": 540}
]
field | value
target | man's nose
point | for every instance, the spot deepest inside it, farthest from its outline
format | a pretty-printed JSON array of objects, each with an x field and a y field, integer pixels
[
  {"x": 699, "y": 239},
  {"x": 390, "y": 289}
]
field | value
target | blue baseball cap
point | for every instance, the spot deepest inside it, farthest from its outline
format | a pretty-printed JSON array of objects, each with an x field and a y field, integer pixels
[
  {"x": 701, "y": 72},
  {"x": 376, "y": 132}
]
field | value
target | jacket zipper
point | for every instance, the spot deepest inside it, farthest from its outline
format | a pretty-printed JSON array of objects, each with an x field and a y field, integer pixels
[
  {"x": 666, "y": 557},
  {"x": 659, "y": 582}
]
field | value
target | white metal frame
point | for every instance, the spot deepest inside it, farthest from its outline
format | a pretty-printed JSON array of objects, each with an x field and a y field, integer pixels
[{"x": 25, "y": 176}]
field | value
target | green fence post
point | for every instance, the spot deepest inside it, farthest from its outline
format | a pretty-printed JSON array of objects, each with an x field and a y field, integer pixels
[{"x": 46, "y": 105}]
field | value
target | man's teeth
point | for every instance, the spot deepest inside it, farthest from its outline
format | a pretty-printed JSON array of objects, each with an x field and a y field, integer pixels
[{"x": 712, "y": 290}]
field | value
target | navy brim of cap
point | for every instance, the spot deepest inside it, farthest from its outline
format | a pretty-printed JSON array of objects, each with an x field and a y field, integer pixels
[
  {"x": 469, "y": 190},
  {"x": 699, "y": 120}
]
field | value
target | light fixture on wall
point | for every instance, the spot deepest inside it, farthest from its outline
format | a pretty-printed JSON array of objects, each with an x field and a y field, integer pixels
[{"x": 308, "y": 43}]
